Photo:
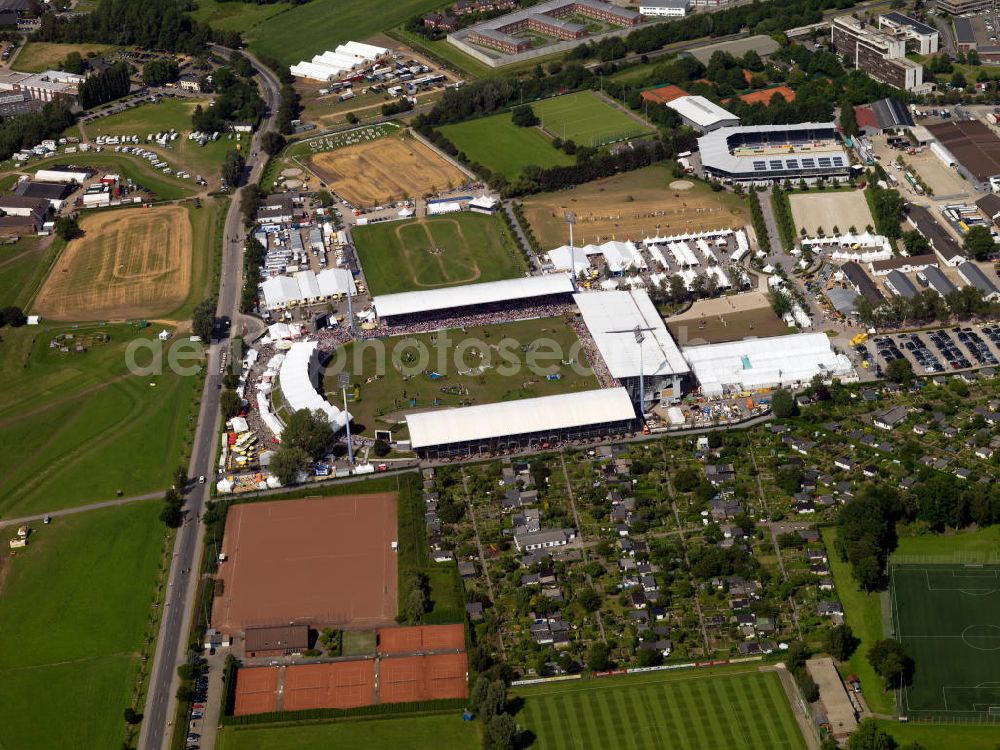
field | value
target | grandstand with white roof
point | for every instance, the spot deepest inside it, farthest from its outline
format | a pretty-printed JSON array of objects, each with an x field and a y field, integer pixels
[{"x": 768, "y": 153}]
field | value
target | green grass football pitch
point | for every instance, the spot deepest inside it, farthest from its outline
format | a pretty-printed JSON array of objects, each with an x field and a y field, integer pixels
[
  {"x": 76, "y": 428},
  {"x": 442, "y": 251},
  {"x": 586, "y": 119},
  {"x": 690, "y": 711},
  {"x": 75, "y": 610},
  {"x": 948, "y": 619},
  {"x": 445, "y": 732},
  {"x": 502, "y": 147}
]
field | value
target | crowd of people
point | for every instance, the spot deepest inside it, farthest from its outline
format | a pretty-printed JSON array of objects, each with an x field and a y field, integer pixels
[
  {"x": 594, "y": 357},
  {"x": 485, "y": 315}
]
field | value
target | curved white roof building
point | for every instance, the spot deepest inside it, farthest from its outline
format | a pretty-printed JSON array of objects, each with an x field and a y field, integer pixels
[{"x": 298, "y": 378}]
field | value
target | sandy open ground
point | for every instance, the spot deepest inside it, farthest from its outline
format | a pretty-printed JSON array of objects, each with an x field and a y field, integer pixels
[
  {"x": 320, "y": 562},
  {"x": 130, "y": 263},
  {"x": 631, "y": 206},
  {"x": 828, "y": 209},
  {"x": 726, "y": 319},
  {"x": 369, "y": 174}
]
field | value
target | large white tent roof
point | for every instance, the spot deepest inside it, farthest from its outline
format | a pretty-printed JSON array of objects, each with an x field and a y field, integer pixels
[
  {"x": 611, "y": 318},
  {"x": 408, "y": 303},
  {"x": 297, "y": 386},
  {"x": 764, "y": 362},
  {"x": 620, "y": 256},
  {"x": 279, "y": 291},
  {"x": 530, "y": 415}
]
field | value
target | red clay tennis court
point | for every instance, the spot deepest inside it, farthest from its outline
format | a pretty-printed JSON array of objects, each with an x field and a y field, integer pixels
[
  {"x": 336, "y": 685},
  {"x": 404, "y": 679},
  {"x": 421, "y": 639},
  {"x": 327, "y": 561},
  {"x": 256, "y": 691}
]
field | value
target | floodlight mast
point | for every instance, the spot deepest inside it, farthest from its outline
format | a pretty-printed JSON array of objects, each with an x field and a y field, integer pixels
[{"x": 571, "y": 220}]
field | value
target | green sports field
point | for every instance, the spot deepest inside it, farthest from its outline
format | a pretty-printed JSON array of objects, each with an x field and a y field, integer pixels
[
  {"x": 689, "y": 710},
  {"x": 587, "y": 120},
  {"x": 946, "y": 617},
  {"x": 76, "y": 428},
  {"x": 230, "y": 16},
  {"x": 386, "y": 393},
  {"x": 441, "y": 251},
  {"x": 446, "y": 732},
  {"x": 75, "y": 610},
  {"x": 500, "y": 146}
]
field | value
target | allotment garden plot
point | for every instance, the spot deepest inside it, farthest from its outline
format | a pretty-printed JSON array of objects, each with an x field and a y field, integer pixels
[
  {"x": 381, "y": 170},
  {"x": 948, "y": 619},
  {"x": 460, "y": 248},
  {"x": 130, "y": 263},
  {"x": 587, "y": 120}
]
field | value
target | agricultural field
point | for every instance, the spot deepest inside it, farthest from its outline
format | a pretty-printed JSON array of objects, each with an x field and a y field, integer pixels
[
  {"x": 463, "y": 368},
  {"x": 414, "y": 733},
  {"x": 130, "y": 263},
  {"x": 35, "y": 57},
  {"x": 502, "y": 147},
  {"x": 658, "y": 710},
  {"x": 75, "y": 611},
  {"x": 632, "y": 205},
  {"x": 945, "y": 616},
  {"x": 827, "y": 209},
  {"x": 459, "y": 248},
  {"x": 386, "y": 169},
  {"x": 230, "y": 16},
  {"x": 159, "y": 185},
  {"x": 78, "y": 427},
  {"x": 587, "y": 119},
  {"x": 321, "y": 25}
]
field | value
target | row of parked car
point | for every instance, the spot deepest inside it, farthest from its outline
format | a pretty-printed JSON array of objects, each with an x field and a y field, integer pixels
[{"x": 197, "y": 712}]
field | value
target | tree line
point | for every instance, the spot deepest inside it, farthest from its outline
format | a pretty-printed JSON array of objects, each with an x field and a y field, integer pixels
[
  {"x": 31, "y": 128},
  {"x": 111, "y": 84}
]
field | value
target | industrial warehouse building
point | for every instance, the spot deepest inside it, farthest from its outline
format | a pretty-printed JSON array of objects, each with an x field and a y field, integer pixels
[
  {"x": 516, "y": 425},
  {"x": 765, "y": 363},
  {"x": 615, "y": 320},
  {"x": 772, "y": 153}
]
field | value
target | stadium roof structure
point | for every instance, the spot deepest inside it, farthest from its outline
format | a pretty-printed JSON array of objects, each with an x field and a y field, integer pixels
[
  {"x": 764, "y": 362},
  {"x": 611, "y": 318},
  {"x": 296, "y": 374},
  {"x": 522, "y": 417},
  {"x": 701, "y": 111},
  {"x": 812, "y": 158},
  {"x": 468, "y": 295}
]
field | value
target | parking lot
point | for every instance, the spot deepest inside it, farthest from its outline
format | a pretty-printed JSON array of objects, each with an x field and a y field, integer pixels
[{"x": 935, "y": 352}]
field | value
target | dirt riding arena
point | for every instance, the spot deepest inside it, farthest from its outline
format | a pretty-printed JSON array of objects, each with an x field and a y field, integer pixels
[
  {"x": 325, "y": 562},
  {"x": 825, "y": 210},
  {"x": 405, "y": 679},
  {"x": 726, "y": 319},
  {"x": 386, "y": 169},
  {"x": 421, "y": 639},
  {"x": 632, "y": 206},
  {"x": 346, "y": 684},
  {"x": 130, "y": 263}
]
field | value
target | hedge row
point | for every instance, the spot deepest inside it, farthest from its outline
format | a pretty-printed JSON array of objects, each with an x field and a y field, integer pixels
[{"x": 313, "y": 714}]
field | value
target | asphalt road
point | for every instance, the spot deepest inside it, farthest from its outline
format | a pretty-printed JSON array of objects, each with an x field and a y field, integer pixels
[{"x": 179, "y": 603}]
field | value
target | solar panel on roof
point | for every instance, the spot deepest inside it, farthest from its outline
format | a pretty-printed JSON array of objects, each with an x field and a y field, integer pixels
[
  {"x": 792, "y": 163},
  {"x": 809, "y": 163},
  {"x": 759, "y": 165},
  {"x": 838, "y": 162},
  {"x": 775, "y": 164},
  {"x": 824, "y": 161}
]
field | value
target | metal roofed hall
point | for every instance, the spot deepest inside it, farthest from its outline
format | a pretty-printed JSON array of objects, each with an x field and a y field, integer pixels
[
  {"x": 938, "y": 281},
  {"x": 702, "y": 113},
  {"x": 891, "y": 113},
  {"x": 974, "y": 275},
  {"x": 964, "y": 33},
  {"x": 526, "y": 416},
  {"x": 900, "y": 285},
  {"x": 468, "y": 295},
  {"x": 611, "y": 318}
]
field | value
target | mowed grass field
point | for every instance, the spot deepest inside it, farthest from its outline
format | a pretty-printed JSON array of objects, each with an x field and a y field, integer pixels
[
  {"x": 446, "y": 732},
  {"x": 75, "y": 610},
  {"x": 39, "y": 56},
  {"x": 230, "y": 16},
  {"x": 76, "y": 428},
  {"x": 129, "y": 263},
  {"x": 23, "y": 267},
  {"x": 440, "y": 251},
  {"x": 943, "y": 736},
  {"x": 320, "y": 25},
  {"x": 690, "y": 710},
  {"x": 587, "y": 119},
  {"x": 470, "y": 362},
  {"x": 502, "y": 147},
  {"x": 946, "y": 617},
  {"x": 632, "y": 205}
]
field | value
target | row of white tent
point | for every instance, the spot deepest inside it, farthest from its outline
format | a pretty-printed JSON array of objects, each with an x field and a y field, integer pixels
[
  {"x": 306, "y": 287},
  {"x": 334, "y": 64}
]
